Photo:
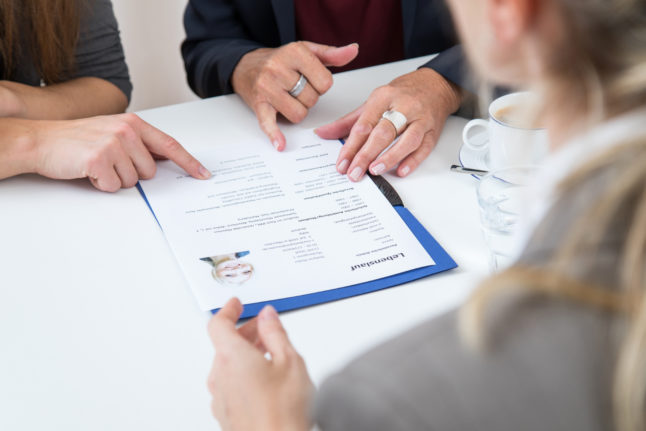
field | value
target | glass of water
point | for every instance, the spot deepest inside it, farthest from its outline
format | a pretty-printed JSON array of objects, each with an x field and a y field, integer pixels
[{"x": 503, "y": 196}]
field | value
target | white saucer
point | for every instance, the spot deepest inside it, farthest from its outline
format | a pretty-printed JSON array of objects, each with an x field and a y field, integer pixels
[{"x": 474, "y": 159}]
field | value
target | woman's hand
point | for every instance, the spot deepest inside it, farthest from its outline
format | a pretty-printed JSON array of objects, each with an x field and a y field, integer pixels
[
  {"x": 423, "y": 96},
  {"x": 251, "y": 392},
  {"x": 113, "y": 151},
  {"x": 264, "y": 77}
]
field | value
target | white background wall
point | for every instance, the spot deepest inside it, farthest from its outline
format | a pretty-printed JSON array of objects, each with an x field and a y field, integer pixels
[{"x": 151, "y": 32}]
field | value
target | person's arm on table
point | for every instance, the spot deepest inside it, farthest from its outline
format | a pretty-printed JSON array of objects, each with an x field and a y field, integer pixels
[
  {"x": 426, "y": 97},
  {"x": 77, "y": 98},
  {"x": 97, "y": 84},
  {"x": 249, "y": 391},
  {"x": 113, "y": 151},
  {"x": 423, "y": 96},
  {"x": 264, "y": 77},
  {"x": 222, "y": 57}
]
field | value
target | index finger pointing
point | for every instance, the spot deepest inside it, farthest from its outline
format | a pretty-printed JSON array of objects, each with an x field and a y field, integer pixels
[
  {"x": 160, "y": 143},
  {"x": 267, "y": 120}
]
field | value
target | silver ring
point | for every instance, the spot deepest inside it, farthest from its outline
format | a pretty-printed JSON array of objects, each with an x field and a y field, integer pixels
[
  {"x": 397, "y": 119},
  {"x": 299, "y": 87}
]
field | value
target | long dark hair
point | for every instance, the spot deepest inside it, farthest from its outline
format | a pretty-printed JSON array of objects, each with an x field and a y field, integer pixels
[{"x": 48, "y": 30}]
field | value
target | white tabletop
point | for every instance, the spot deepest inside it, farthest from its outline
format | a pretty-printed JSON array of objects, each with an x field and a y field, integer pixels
[{"x": 98, "y": 328}]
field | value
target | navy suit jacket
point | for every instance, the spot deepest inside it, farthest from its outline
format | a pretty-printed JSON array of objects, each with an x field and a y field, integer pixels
[{"x": 220, "y": 32}]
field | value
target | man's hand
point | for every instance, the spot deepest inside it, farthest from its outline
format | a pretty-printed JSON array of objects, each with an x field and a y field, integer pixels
[
  {"x": 112, "y": 151},
  {"x": 251, "y": 392},
  {"x": 264, "y": 77},
  {"x": 423, "y": 96}
]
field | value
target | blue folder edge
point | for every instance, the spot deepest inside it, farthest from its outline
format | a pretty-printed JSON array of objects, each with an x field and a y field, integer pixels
[{"x": 443, "y": 262}]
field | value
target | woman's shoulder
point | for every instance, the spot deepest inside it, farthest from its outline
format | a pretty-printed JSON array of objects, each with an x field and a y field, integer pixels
[
  {"x": 579, "y": 198},
  {"x": 548, "y": 368}
]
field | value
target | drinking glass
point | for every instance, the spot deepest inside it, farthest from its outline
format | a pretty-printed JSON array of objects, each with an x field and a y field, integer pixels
[{"x": 502, "y": 197}]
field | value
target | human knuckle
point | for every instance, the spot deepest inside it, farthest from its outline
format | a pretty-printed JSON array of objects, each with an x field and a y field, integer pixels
[
  {"x": 289, "y": 356},
  {"x": 383, "y": 92},
  {"x": 266, "y": 124},
  {"x": 148, "y": 171},
  {"x": 415, "y": 105},
  {"x": 296, "y": 358},
  {"x": 95, "y": 160},
  {"x": 419, "y": 157},
  {"x": 170, "y": 145},
  {"x": 299, "y": 114},
  {"x": 222, "y": 358},
  {"x": 123, "y": 130},
  {"x": 299, "y": 47},
  {"x": 292, "y": 46},
  {"x": 428, "y": 143},
  {"x": 264, "y": 86},
  {"x": 362, "y": 128},
  {"x": 385, "y": 133},
  {"x": 112, "y": 186},
  {"x": 326, "y": 82},
  {"x": 361, "y": 159},
  {"x": 129, "y": 117},
  {"x": 210, "y": 383},
  {"x": 313, "y": 100},
  {"x": 271, "y": 66},
  {"x": 415, "y": 138},
  {"x": 129, "y": 182}
]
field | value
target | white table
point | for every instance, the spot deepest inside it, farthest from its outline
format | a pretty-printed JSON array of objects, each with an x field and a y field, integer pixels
[{"x": 98, "y": 328}]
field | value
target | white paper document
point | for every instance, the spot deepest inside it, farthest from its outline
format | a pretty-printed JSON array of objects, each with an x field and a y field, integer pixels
[{"x": 272, "y": 225}]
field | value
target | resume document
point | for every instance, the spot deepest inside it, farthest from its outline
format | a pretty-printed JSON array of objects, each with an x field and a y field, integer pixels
[{"x": 272, "y": 225}]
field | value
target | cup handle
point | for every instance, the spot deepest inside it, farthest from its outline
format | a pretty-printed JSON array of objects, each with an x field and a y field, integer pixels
[{"x": 470, "y": 141}]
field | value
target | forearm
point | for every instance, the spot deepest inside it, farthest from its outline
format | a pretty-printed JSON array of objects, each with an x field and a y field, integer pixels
[
  {"x": 17, "y": 147},
  {"x": 77, "y": 98}
]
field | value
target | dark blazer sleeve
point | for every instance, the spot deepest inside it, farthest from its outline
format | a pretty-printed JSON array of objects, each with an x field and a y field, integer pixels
[
  {"x": 99, "y": 52},
  {"x": 218, "y": 34},
  {"x": 453, "y": 66}
]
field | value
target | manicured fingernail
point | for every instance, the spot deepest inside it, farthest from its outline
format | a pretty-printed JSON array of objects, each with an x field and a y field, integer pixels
[
  {"x": 276, "y": 144},
  {"x": 405, "y": 171},
  {"x": 204, "y": 173},
  {"x": 356, "y": 173},
  {"x": 268, "y": 313},
  {"x": 342, "y": 166},
  {"x": 379, "y": 169}
]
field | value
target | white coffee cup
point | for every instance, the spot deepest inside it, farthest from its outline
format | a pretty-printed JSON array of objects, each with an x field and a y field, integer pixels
[{"x": 494, "y": 144}]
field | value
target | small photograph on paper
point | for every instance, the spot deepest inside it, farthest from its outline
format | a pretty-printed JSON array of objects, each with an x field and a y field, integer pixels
[{"x": 231, "y": 268}]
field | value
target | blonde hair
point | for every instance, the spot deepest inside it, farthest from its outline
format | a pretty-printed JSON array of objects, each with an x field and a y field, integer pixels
[{"x": 599, "y": 71}]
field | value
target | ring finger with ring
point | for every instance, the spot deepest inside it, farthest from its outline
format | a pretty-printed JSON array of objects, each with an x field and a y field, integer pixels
[{"x": 304, "y": 92}]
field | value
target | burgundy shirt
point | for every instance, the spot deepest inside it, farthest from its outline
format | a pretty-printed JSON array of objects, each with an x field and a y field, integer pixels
[{"x": 376, "y": 25}]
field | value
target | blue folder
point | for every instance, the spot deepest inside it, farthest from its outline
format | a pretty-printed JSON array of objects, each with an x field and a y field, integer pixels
[{"x": 443, "y": 262}]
